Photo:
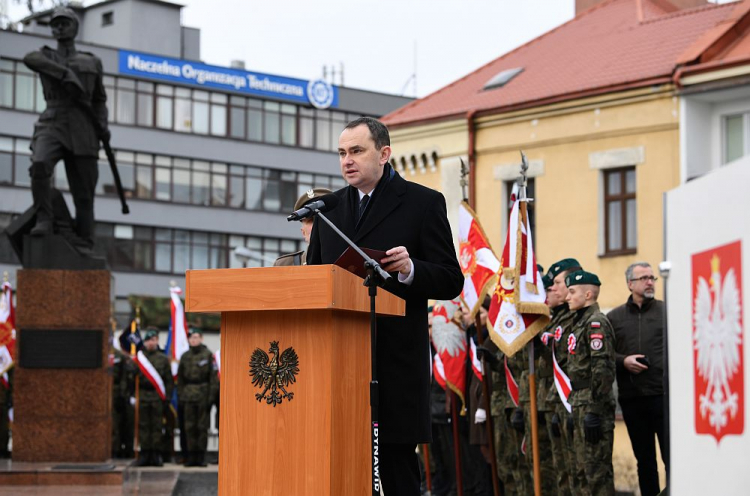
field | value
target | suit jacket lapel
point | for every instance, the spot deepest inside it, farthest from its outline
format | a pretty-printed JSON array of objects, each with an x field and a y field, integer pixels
[
  {"x": 341, "y": 215},
  {"x": 384, "y": 203}
]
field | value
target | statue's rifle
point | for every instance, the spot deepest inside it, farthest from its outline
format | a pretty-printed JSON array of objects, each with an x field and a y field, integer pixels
[{"x": 102, "y": 135}]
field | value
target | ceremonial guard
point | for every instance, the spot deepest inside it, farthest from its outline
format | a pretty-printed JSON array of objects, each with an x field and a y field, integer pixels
[
  {"x": 155, "y": 389},
  {"x": 196, "y": 387},
  {"x": 559, "y": 329},
  {"x": 591, "y": 368},
  {"x": 506, "y": 451},
  {"x": 123, "y": 385}
]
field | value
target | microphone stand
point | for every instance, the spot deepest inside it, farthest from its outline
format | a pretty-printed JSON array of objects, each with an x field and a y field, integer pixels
[{"x": 376, "y": 276}]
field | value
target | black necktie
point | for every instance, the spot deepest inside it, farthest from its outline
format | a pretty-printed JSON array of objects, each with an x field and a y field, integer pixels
[{"x": 363, "y": 206}]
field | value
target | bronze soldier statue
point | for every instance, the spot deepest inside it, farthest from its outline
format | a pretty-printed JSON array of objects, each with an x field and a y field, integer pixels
[{"x": 71, "y": 126}]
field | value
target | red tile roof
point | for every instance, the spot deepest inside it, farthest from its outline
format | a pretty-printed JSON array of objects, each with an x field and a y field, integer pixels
[{"x": 605, "y": 47}]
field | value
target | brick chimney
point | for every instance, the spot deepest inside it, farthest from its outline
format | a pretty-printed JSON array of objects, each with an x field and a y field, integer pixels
[{"x": 582, "y": 5}]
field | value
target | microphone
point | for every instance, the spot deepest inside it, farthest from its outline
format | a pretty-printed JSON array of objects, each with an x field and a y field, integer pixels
[{"x": 322, "y": 204}]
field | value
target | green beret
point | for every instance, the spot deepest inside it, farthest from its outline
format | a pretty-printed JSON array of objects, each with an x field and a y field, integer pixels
[
  {"x": 540, "y": 269},
  {"x": 311, "y": 195},
  {"x": 547, "y": 280},
  {"x": 195, "y": 330},
  {"x": 562, "y": 266},
  {"x": 150, "y": 334},
  {"x": 581, "y": 277}
]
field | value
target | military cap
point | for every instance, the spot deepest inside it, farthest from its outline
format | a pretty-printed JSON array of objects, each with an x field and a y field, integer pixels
[
  {"x": 547, "y": 280},
  {"x": 311, "y": 195},
  {"x": 562, "y": 266},
  {"x": 66, "y": 13},
  {"x": 540, "y": 269},
  {"x": 195, "y": 330},
  {"x": 150, "y": 334},
  {"x": 581, "y": 277}
]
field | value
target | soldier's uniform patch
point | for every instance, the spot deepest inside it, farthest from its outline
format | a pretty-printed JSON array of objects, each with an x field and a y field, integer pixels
[
  {"x": 596, "y": 325},
  {"x": 597, "y": 344}
]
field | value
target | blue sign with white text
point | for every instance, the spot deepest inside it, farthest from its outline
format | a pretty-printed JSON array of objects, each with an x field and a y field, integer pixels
[{"x": 317, "y": 93}]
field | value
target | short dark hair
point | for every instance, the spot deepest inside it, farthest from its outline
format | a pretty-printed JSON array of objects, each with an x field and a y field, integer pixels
[{"x": 378, "y": 131}]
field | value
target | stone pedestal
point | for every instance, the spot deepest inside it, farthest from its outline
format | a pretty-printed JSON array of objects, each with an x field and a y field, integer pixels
[{"x": 63, "y": 414}]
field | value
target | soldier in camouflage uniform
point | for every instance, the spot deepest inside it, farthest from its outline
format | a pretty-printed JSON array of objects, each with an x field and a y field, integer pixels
[
  {"x": 521, "y": 416},
  {"x": 505, "y": 453},
  {"x": 123, "y": 385},
  {"x": 591, "y": 368},
  {"x": 560, "y": 326},
  {"x": 150, "y": 404},
  {"x": 196, "y": 387},
  {"x": 522, "y": 472}
]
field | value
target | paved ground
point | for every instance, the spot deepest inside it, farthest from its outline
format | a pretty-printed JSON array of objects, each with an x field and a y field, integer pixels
[{"x": 170, "y": 480}]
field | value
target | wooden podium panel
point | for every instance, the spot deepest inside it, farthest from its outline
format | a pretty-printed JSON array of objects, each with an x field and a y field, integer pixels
[{"x": 317, "y": 443}]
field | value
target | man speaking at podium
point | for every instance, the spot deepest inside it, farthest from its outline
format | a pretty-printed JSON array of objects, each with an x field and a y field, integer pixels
[{"x": 382, "y": 211}]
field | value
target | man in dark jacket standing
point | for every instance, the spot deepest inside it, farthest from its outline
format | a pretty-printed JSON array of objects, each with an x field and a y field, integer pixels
[
  {"x": 639, "y": 334},
  {"x": 382, "y": 211}
]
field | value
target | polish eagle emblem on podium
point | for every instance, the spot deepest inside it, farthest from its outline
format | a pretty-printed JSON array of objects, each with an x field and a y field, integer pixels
[
  {"x": 275, "y": 374},
  {"x": 718, "y": 341}
]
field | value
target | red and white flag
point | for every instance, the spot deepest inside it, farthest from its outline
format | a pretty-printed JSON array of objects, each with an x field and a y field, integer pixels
[
  {"x": 7, "y": 329},
  {"x": 151, "y": 374},
  {"x": 478, "y": 262},
  {"x": 517, "y": 310},
  {"x": 449, "y": 340},
  {"x": 476, "y": 364},
  {"x": 178, "y": 334}
]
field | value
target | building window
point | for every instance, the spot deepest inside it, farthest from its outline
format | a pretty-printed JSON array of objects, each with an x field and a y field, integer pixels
[
  {"x": 108, "y": 18},
  {"x": 178, "y": 180},
  {"x": 620, "y": 222},
  {"x": 7, "y": 254},
  {"x": 735, "y": 137},
  {"x": 130, "y": 248},
  {"x": 141, "y": 103},
  {"x": 6, "y": 83}
]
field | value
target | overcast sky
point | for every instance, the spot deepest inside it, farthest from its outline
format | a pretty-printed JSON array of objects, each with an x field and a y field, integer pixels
[{"x": 375, "y": 40}]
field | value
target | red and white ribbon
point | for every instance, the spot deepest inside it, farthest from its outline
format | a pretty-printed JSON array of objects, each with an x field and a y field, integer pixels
[{"x": 151, "y": 374}]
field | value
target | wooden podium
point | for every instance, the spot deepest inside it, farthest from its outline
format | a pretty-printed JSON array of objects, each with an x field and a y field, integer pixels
[{"x": 318, "y": 442}]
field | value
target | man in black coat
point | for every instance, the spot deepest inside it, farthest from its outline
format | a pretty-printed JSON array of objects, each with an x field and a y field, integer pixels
[{"x": 382, "y": 211}]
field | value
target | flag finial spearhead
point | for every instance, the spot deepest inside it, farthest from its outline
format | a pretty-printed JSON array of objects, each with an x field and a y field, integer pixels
[{"x": 464, "y": 180}]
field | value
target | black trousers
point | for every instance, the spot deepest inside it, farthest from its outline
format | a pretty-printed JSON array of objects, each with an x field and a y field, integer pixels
[
  {"x": 399, "y": 470},
  {"x": 644, "y": 418}
]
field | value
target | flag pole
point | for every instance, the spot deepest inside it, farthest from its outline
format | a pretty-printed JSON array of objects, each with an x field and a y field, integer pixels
[
  {"x": 480, "y": 340},
  {"x": 522, "y": 183},
  {"x": 428, "y": 474},
  {"x": 136, "y": 443},
  {"x": 488, "y": 423},
  {"x": 456, "y": 442}
]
